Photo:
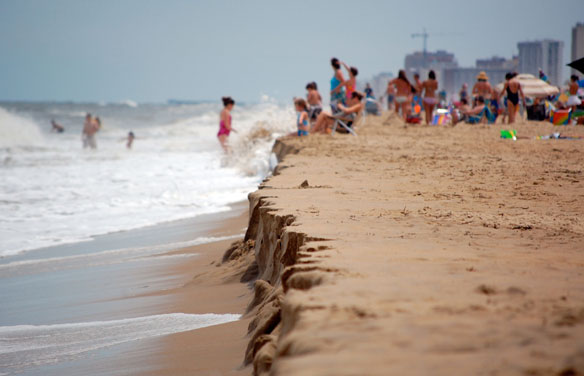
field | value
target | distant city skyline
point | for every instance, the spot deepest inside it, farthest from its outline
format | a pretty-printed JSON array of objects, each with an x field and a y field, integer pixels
[{"x": 152, "y": 51}]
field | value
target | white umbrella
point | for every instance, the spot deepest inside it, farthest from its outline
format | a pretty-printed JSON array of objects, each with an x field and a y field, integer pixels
[{"x": 532, "y": 86}]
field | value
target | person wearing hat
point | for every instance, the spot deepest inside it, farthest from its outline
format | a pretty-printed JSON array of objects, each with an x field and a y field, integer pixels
[{"x": 482, "y": 88}]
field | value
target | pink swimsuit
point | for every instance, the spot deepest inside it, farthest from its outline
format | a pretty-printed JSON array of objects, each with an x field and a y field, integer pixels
[{"x": 223, "y": 129}]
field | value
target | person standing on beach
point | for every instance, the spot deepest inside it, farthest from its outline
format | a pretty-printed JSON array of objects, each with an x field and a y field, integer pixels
[
  {"x": 351, "y": 83},
  {"x": 573, "y": 100},
  {"x": 513, "y": 90},
  {"x": 403, "y": 98},
  {"x": 429, "y": 88},
  {"x": 390, "y": 92},
  {"x": 337, "y": 90},
  {"x": 90, "y": 128},
  {"x": 482, "y": 88},
  {"x": 463, "y": 93},
  {"x": 225, "y": 122}
]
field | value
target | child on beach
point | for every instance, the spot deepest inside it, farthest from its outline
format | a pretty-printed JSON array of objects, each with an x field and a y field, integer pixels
[
  {"x": 225, "y": 122},
  {"x": 314, "y": 101},
  {"x": 302, "y": 119}
]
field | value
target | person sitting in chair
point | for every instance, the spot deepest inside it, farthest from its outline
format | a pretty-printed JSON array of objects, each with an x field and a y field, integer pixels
[{"x": 326, "y": 120}]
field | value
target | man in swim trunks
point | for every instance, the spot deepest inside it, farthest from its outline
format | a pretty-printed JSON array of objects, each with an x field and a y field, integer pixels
[{"x": 90, "y": 128}]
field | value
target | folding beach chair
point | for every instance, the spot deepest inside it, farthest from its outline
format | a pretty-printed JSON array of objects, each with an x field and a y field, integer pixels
[{"x": 343, "y": 123}]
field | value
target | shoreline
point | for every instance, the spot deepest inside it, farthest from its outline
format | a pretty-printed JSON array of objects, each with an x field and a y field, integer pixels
[
  {"x": 417, "y": 250},
  {"x": 88, "y": 283}
]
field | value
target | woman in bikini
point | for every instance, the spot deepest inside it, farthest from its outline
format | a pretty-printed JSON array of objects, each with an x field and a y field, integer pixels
[
  {"x": 404, "y": 93},
  {"x": 482, "y": 88},
  {"x": 513, "y": 90},
  {"x": 225, "y": 122},
  {"x": 429, "y": 88},
  {"x": 573, "y": 100}
]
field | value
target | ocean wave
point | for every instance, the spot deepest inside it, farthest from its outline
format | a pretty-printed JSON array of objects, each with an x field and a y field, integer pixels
[
  {"x": 18, "y": 131},
  {"x": 24, "y": 346}
]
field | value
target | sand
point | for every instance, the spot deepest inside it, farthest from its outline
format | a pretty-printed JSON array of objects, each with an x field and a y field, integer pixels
[{"x": 421, "y": 250}]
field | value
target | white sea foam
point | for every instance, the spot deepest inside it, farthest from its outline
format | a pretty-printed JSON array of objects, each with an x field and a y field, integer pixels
[
  {"x": 24, "y": 346},
  {"x": 52, "y": 192},
  {"x": 17, "y": 130},
  {"x": 108, "y": 257}
]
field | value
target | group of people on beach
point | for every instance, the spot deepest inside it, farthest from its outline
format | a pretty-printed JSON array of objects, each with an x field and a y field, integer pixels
[
  {"x": 345, "y": 102},
  {"x": 483, "y": 104}
]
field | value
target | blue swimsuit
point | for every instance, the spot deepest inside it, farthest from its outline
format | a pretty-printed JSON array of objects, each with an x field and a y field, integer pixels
[{"x": 298, "y": 124}]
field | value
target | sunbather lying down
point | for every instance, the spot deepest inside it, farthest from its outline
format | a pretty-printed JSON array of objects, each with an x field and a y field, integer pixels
[
  {"x": 473, "y": 115},
  {"x": 326, "y": 120}
]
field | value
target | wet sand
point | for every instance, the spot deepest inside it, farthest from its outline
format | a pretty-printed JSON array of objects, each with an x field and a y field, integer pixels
[
  {"x": 87, "y": 282},
  {"x": 422, "y": 250}
]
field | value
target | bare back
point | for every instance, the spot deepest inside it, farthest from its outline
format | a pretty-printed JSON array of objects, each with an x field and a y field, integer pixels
[
  {"x": 430, "y": 86},
  {"x": 403, "y": 88}
]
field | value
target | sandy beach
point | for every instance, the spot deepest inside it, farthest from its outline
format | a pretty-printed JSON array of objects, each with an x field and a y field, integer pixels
[{"x": 420, "y": 250}]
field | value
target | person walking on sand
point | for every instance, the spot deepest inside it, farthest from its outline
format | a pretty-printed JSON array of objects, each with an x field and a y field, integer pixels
[
  {"x": 513, "y": 90},
  {"x": 90, "y": 128},
  {"x": 429, "y": 88},
  {"x": 337, "y": 90},
  {"x": 225, "y": 122},
  {"x": 404, "y": 93}
]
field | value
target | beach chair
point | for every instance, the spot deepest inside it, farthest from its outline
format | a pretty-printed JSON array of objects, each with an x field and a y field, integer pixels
[{"x": 342, "y": 121}]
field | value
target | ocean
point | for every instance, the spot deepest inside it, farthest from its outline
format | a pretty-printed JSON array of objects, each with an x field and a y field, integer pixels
[{"x": 65, "y": 212}]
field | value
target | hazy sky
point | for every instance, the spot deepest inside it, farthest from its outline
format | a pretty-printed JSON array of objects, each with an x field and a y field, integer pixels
[{"x": 150, "y": 51}]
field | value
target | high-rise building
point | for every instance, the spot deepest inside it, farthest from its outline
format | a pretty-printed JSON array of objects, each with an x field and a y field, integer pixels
[
  {"x": 577, "y": 43},
  {"x": 495, "y": 68},
  {"x": 544, "y": 54},
  {"x": 422, "y": 63}
]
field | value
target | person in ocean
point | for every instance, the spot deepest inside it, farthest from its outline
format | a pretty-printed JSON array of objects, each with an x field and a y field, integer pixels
[
  {"x": 513, "y": 90},
  {"x": 90, "y": 128},
  {"x": 337, "y": 89},
  {"x": 302, "y": 117},
  {"x": 56, "y": 127},
  {"x": 314, "y": 101},
  {"x": 404, "y": 89},
  {"x": 225, "y": 122},
  {"x": 130, "y": 139},
  {"x": 429, "y": 88}
]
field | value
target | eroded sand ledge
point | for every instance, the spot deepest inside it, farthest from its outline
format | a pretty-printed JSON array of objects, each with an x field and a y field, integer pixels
[{"x": 419, "y": 250}]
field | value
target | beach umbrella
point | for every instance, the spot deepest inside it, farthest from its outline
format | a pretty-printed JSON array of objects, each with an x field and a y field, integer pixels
[
  {"x": 578, "y": 65},
  {"x": 533, "y": 87}
]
